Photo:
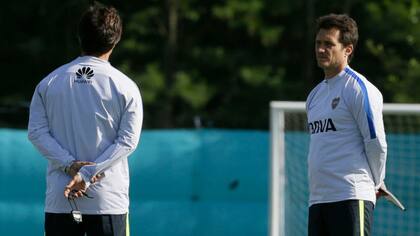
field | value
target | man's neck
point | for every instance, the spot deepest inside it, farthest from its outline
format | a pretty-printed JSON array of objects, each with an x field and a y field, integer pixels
[
  {"x": 104, "y": 56},
  {"x": 331, "y": 73}
]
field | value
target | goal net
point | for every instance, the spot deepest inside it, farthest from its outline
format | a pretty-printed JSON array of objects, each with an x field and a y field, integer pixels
[{"x": 289, "y": 184}]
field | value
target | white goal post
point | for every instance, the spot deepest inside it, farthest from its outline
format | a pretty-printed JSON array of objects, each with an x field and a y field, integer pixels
[{"x": 278, "y": 111}]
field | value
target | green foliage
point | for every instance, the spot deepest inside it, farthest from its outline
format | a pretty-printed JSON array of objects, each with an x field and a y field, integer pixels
[
  {"x": 393, "y": 40},
  {"x": 194, "y": 92},
  {"x": 222, "y": 61},
  {"x": 150, "y": 81},
  {"x": 261, "y": 76}
]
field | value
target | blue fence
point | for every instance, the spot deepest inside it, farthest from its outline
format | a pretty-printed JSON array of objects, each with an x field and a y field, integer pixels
[
  {"x": 205, "y": 183},
  {"x": 183, "y": 182}
]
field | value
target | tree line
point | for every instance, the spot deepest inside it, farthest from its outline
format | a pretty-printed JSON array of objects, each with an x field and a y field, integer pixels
[{"x": 211, "y": 63}]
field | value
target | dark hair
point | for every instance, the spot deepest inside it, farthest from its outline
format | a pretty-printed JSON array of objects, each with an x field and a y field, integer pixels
[
  {"x": 345, "y": 24},
  {"x": 100, "y": 29}
]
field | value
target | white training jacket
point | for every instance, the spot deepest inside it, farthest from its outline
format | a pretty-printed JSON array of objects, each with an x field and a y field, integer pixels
[
  {"x": 87, "y": 110},
  {"x": 347, "y": 152}
]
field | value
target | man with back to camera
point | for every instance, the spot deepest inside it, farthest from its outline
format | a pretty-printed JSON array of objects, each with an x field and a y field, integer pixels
[
  {"x": 347, "y": 152},
  {"x": 86, "y": 119}
]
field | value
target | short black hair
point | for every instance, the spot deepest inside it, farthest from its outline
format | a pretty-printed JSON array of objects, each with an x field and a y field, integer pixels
[
  {"x": 100, "y": 29},
  {"x": 346, "y": 25}
]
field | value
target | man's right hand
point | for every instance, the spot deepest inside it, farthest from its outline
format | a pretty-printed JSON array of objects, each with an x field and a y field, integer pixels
[
  {"x": 380, "y": 194},
  {"x": 74, "y": 168}
]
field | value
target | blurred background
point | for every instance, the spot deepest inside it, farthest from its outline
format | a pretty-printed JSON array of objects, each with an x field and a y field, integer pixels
[
  {"x": 207, "y": 70},
  {"x": 210, "y": 63}
]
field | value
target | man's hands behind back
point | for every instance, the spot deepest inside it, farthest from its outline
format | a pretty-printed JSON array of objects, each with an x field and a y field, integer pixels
[
  {"x": 75, "y": 167},
  {"x": 77, "y": 186}
]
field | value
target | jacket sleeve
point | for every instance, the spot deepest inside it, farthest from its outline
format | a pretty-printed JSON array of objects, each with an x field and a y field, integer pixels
[
  {"x": 367, "y": 108},
  {"x": 40, "y": 136},
  {"x": 126, "y": 141}
]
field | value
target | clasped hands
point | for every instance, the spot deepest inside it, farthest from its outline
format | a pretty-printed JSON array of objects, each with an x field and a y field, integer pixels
[{"x": 77, "y": 186}]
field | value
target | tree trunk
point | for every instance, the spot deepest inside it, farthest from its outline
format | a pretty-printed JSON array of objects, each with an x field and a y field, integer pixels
[
  {"x": 309, "y": 45},
  {"x": 166, "y": 116}
]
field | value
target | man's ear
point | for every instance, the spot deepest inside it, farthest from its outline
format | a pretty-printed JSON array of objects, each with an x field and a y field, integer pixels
[{"x": 349, "y": 50}]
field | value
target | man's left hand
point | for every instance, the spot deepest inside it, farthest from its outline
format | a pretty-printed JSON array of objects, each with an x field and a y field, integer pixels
[{"x": 76, "y": 187}]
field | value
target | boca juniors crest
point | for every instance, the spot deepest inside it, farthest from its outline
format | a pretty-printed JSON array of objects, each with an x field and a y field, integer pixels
[{"x": 335, "y": 102}]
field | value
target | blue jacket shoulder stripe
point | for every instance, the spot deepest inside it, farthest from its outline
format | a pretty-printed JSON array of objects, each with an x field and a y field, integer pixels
[{"x": 367, "y": 107}]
